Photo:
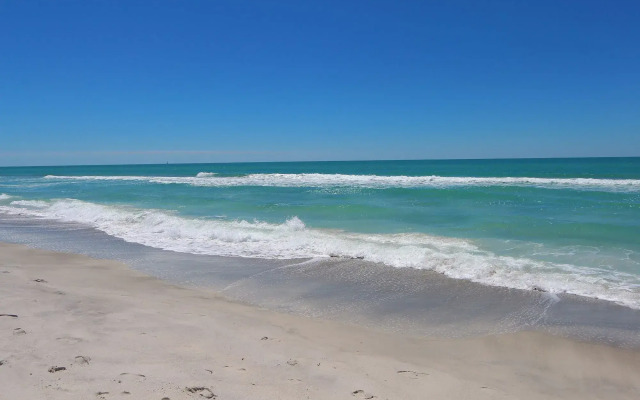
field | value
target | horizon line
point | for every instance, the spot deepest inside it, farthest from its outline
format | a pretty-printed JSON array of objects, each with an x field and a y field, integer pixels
[{"x": 303, "y": 161}]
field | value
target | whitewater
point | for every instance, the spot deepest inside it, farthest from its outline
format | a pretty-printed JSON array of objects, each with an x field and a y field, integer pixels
[
  {"x": 292, "y": 239},
  {"x": 368, "y": 181}
]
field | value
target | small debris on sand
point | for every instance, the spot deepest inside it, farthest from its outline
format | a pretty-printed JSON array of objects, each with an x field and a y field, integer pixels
[
  {"x": 361, "y": 394},
  {"x": 413, "y": 374}
]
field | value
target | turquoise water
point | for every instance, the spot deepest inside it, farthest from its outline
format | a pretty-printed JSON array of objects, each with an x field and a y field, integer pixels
[{"x": 560, "y": 225}]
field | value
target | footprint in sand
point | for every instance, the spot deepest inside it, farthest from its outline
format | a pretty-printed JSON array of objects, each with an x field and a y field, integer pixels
[
  {"x": 82, "y": 360},
  {"x": 202, "y": 391},
  {"x": 362, "y": 395},
  {"x": 69, "y": 339},
  {"x": 19, "y": 331},
  {"x": 127, "y": 377}
]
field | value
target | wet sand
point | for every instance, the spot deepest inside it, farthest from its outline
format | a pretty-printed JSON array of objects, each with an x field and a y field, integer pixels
[
  {"x": 73, "y": 327},
  {"x": 404, "y": 300}
]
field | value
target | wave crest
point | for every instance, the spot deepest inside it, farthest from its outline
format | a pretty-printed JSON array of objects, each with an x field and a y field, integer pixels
[
  {"x": 455, "y": 258},
  {"x": 371, "y": 181}
]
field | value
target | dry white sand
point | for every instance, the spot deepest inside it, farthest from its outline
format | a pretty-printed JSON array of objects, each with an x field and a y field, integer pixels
[{"x": 118, "y": 334}]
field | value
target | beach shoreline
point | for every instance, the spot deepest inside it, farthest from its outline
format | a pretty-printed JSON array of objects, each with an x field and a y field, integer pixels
[
  {"x": 122, "y": 334},
  {"x": 408, "y": 301}
]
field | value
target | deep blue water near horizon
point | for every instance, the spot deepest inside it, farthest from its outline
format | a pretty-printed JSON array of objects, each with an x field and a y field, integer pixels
[
  {"x": 560, "y": 225},
  {"x": 589, "y": 167}
]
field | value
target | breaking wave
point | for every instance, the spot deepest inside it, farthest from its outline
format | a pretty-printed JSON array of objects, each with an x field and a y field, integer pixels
[
  {"x": 455, "y": 258},
  {"x": 370, "y": 181}
]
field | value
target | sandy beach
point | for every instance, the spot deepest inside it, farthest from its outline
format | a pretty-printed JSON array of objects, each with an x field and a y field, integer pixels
[{"x": 73, "y": 327}]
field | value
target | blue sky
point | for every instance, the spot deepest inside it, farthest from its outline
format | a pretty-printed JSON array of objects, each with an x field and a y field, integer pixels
[{"x": 216, "y": 81}]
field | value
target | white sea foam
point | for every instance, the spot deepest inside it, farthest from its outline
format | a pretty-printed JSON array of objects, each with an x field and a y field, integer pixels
[
  {"x": 292, "y": 239},
  {"x": 4, "y": 196},
  {"x": 30, "y": 203},
  {"x": 370, "y": 181},
  {"x": 205, "y": 174}
]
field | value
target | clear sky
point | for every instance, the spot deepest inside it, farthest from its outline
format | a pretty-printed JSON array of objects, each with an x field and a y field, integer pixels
[{"x": 110, "y": 81}]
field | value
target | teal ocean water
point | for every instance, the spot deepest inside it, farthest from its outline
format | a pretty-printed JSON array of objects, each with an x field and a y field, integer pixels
[{"x": 557, "y": 225}]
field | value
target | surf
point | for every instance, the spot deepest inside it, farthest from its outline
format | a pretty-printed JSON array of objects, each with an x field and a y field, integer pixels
[
  {"x": 210, "y": 179},
  {"x": 293, "y": 239}
]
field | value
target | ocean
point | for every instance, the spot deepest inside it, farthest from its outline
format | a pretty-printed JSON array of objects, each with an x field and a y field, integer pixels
[{"x": 556, "y": 226}]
